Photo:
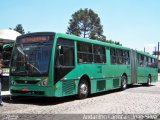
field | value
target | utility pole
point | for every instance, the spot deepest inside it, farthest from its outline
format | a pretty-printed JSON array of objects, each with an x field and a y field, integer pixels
[
  {"x": 158, "y": 51},
  {"x": 155, "y": 50}
]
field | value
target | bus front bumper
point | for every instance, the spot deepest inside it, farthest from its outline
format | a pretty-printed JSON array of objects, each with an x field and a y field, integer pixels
[{"x": 32, "y": 91}]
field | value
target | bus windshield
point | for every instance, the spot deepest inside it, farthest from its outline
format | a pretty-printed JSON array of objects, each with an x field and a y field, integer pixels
[{"x": 31, "y": 59}]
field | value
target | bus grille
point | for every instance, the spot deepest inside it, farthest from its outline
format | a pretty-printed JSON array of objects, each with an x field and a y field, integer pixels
[
  {"x": 26, "y": 82},
  {"x": 68, "y": 87},
  {"x": 27, "y": 92}
]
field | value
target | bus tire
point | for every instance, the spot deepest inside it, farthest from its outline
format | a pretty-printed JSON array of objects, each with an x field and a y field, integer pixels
[
  {"x": 83, "y": 89},
  {"x": 149, "y": 80},
  {"x": 123, "y": 82}
]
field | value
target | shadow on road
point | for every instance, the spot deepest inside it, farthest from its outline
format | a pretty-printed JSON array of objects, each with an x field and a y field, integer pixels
[
  {"x": 45, "y": 101},
  {"x": 41, "y": 101}
]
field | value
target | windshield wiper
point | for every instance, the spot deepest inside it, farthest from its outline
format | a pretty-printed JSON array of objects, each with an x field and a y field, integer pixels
[
  {"x": 20, "y": 50},
  {"x": 32, "y": 66}
]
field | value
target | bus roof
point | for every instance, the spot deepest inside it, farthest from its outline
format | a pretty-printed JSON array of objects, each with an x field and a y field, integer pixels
[
  {"x": 101, "y": 43},
  {"x": 74, "y": 37},
  {"x": 146, "y": 54}
]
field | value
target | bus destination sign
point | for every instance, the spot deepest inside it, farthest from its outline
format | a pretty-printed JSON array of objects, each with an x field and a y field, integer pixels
[{"x": 35, "y": 39}]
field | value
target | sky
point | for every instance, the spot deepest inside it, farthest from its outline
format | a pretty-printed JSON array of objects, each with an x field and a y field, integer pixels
[{"x": 134, "y": 23}]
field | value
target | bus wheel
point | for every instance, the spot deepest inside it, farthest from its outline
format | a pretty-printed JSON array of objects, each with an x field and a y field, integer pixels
[
  {"x": 123, "y": 82},
  {"x": 149, "y": 81},
  {"x": 83, "y": 89}
]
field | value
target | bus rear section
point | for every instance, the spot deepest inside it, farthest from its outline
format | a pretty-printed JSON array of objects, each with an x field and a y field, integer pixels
[
  {"x": 143, "y": 68},
  {"x": 30, "y": 65}
]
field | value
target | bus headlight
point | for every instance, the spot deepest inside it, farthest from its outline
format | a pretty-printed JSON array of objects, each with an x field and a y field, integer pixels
[{"x": 43, "y": 82}]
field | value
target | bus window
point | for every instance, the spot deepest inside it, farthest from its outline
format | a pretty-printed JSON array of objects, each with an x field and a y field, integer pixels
[
  {"x": 30, "y": 58},
  {"x": 149, "y": 61},
  {"x": 85, "y": 54},
  {"x": 126, "y": 59},
  {"x": 154, "y": 63},
  {"x": 119, "y": 54},
  {"x": 145, "y": 61},
  {"x": 65, "y": 52},
  {"x": 113, "y": 55},
  {"x": 66, "y": 57},
  {"x": 141, "y": 60},
  {"x": 99, "y": 54}
]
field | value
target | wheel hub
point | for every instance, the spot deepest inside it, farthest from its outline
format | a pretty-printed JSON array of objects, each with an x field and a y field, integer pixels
[
  {"x": 124, "y": 83},
  {"x": 83, "y": 89}
]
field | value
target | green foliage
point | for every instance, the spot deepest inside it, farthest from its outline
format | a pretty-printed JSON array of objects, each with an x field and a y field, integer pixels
[
  {"x": 19, "y": 29},
  {"x": 87, "y": 24},
  {"x": 112, "y": 42}
]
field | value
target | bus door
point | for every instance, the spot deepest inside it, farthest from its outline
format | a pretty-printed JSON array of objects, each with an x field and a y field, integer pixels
[
  {"x": 64, "y": 61},
  {"x": 133, "y": 66}
]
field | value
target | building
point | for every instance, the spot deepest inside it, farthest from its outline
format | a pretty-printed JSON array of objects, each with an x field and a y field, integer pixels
[{"x": 7, "y": 38}]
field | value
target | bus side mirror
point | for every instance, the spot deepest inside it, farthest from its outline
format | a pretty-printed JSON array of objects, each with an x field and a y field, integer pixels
[
  {"x": 60, "y": 56},
  {"x": 60, "y": 49}
]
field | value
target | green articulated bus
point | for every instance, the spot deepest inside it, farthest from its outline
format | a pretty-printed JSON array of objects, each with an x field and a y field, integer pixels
[{"x": 54, "y": 64}]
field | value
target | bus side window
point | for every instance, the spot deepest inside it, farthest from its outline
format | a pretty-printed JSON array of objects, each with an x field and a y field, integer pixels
[
  {"x": 126, "y": 59},
  {"x": 60, "y": 56},
  {"x": 140, "y": 60},
  {"x": 146, "y": 61},
  {"x": 154, "y": 63},
  {"x": 68, "y": 56},
  {"x": 84, "y": 52},
  {"x": 119, "y": 55},
  {"x": 99, "y": 54},
  {"x": 113, "y": 55},
  {"x": 65, "y": 52},
  {"x": 149, "y": 61}
]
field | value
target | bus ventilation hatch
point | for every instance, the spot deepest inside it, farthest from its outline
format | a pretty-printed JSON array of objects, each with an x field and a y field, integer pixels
[
  {"x": 101, "y": 85},
  {"x": 68, "y": 87},
  {"x": 115, "y": 83}
]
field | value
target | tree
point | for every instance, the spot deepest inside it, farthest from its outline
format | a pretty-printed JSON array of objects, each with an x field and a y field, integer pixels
[
  {"x": 19, "y": 29},
  {"x": 112, "y": 42},
  {"x": 87, "y": 24}
]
